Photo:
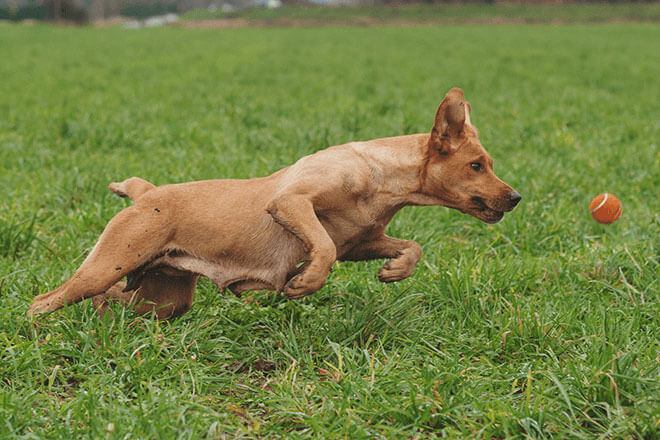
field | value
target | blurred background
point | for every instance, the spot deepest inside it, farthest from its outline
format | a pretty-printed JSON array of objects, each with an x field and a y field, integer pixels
[{"x": 150, "y": 13}]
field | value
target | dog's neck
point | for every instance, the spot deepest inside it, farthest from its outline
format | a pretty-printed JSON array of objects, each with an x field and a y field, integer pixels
[{"x": 397, "y": 166}]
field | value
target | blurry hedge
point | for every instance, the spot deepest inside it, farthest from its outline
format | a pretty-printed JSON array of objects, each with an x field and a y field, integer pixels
[
  {"x": 141, "y": 11},
  {"x": 26, "y": 12}
]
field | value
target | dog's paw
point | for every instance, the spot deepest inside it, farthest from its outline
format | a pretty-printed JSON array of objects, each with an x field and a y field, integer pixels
[
  {"x": 39, "y": 297},
  {"x": 39, "y": 307},
  {"x": 302, "y": 285},
  {"x": 395, "y": 270},
  {"x": 100, "y": 303}
]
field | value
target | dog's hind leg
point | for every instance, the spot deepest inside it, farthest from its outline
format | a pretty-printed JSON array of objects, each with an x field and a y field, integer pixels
[
  {"x": 132, "y": 238},
  {"x": 167, "y": 292}
]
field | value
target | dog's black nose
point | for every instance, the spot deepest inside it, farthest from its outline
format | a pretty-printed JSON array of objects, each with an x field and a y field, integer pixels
[{"x": 514, "y": 197}]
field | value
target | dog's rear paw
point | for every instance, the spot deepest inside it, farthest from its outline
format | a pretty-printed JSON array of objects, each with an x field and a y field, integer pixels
[
  {"x": 301, "y": 285},
  {"x": 101, "y": 305},
  {"x": 395, "y": 270},
  {"x": 39, "y": 307}
]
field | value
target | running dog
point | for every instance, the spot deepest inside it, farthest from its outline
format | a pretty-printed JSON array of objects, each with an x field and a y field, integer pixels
[{"x": 284, "y": 232}]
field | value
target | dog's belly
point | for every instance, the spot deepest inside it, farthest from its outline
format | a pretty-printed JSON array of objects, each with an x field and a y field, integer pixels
[
  {"x": 238, "y": 276},
  {"x": 259, "y": 257},
  {"x": 235, "y": 245}
]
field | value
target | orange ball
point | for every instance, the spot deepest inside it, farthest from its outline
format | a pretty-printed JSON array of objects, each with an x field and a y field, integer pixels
[{"x": 605, "y": 208}]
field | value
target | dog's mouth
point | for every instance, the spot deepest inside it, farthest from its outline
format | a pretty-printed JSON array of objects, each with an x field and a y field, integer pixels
[{"x": 479, "y": 209}]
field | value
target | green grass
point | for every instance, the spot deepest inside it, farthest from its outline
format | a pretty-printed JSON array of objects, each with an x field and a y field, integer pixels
[
  {"x": 545, "y": 325},
  {"x": 448, "y": 13}
]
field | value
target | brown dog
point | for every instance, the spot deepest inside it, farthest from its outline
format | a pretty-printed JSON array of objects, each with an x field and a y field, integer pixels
[{"x": 283, "y": 232}]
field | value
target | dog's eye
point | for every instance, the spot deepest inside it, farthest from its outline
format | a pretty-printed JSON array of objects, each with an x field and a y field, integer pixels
[{"x": 476, "y": 166}]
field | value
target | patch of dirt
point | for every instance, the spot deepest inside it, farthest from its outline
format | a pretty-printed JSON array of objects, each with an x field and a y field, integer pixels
[
  {"x": 232, "y": 23},
  {"x": 258, "y": 365}
]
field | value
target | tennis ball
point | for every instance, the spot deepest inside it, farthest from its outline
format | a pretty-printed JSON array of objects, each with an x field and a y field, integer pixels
[{"x": 605, "y": 208}]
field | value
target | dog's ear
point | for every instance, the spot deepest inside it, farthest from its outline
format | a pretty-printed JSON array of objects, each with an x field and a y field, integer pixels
[{"x": 450, "y": 119}]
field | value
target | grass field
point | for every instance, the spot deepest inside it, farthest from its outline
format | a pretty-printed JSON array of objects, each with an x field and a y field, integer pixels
[{"x": 544, "y": 325}]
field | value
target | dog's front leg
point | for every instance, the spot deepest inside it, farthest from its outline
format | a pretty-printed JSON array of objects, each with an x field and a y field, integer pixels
[
  {"x": 403, "y": 254},
  {"x": 296, "y": 214}
]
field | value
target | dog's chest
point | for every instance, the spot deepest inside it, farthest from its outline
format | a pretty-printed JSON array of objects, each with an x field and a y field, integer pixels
[{"x": 358, "y": 222}]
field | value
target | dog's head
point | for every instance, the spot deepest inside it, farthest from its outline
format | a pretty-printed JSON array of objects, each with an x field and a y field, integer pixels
[{"x": 458, "y": 169}]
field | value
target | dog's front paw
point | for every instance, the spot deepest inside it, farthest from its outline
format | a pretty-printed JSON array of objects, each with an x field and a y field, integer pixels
[
  {"x": 395, "y": 270},
  {"x": 302, "y": 285}
]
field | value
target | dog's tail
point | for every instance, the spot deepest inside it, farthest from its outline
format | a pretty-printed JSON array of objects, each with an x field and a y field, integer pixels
[{"x": 132, "y": 187}]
